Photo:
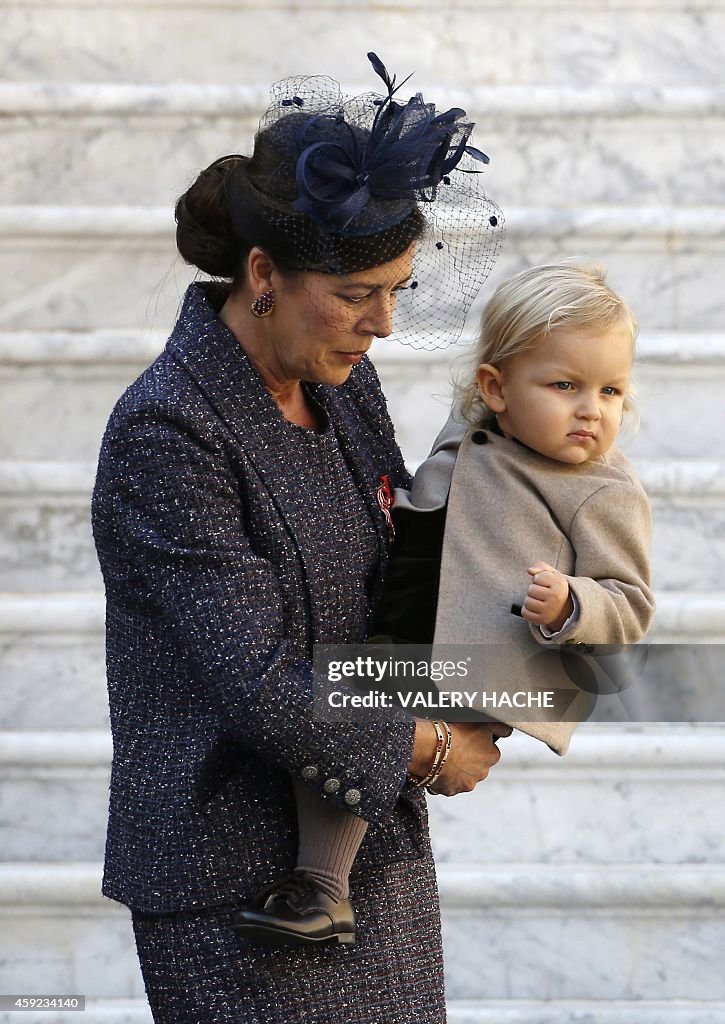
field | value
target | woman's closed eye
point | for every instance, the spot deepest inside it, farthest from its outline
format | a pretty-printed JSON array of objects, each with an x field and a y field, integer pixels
[{"x": 355, "y": 300}]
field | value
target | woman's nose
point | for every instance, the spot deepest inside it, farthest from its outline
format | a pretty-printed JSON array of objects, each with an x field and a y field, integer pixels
[{"x": 379, "y": 321}]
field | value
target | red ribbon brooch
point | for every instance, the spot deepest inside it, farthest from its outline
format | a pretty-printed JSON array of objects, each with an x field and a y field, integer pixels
[{"x": 386, "y": 498}]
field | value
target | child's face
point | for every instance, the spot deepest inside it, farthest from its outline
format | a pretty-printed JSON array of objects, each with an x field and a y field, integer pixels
[{"x": 564, "y": 397}]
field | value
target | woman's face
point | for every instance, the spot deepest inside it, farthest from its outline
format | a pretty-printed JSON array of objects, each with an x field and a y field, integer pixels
[{"x": 323, "y": 324}]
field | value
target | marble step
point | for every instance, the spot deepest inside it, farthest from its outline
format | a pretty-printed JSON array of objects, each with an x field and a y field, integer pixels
[
  {"x": 460, "y": 1011},
  {"x": 622, "y": 794},
  {"x": 52, "y": 661},
  {"x": 58, "y": 934},
  {"x": 54, "y": 795},
  {"x": 87, "y": 267},
  {"x": 76, "y": 377},
  {"x": 97, "y": 1011},
  {"x": 551, "y": 145},
  {"x": 630, "y": 794},
  {"x": 46, "y": 541},
  {"x": 610, "y": 932},
  {"x": 613, "y": 932},
  {"x": 580, "y": 1011},
  {"x": 578, "y": 42}
]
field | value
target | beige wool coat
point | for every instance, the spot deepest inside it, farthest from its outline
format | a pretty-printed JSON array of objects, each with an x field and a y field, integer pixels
[{"x": 508, "y": 507}]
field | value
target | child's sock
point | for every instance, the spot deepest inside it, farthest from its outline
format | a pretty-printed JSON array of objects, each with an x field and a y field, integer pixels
[{"x": 329, "y": 838}]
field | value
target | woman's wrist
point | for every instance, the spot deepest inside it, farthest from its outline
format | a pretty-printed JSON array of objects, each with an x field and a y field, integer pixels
[{"x": 425, "y": 744}]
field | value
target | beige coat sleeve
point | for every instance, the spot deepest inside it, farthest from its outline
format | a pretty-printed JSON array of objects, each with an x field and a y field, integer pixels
[{"x": 611, "y": 534}]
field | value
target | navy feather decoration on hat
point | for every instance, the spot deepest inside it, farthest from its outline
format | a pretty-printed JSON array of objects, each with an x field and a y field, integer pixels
[{"x": 403, "y": 157}]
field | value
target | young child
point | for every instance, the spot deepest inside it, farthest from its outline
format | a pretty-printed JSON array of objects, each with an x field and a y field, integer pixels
[{"x": 525, "y": 529}]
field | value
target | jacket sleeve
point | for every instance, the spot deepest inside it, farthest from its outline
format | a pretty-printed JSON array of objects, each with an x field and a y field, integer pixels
[
  {"x": 168, "y": 524},
  {"x": 611, "y": 534}
]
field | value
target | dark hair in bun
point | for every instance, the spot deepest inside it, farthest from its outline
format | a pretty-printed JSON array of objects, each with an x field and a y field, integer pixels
[
  {"x": 240, "y": 202},
  {"x": 205, "y": 234}
]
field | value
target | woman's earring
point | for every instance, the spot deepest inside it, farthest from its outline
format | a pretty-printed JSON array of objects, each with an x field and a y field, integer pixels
[{"x": 263, "y": 305}]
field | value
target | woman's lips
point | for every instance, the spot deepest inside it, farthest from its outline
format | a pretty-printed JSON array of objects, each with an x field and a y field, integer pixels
[{"x": 351, "y": 357}]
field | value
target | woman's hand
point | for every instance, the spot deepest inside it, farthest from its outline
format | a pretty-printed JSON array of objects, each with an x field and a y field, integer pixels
[{"x": 473, "y": 754}]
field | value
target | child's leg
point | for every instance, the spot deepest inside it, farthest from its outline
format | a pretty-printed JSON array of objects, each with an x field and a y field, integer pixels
[{"x": 329, "y": 838}]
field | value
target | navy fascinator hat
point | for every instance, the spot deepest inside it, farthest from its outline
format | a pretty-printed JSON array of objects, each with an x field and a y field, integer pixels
[{"x": 351, "y": 182}]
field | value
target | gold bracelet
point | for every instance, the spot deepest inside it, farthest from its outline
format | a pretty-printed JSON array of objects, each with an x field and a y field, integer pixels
[
  {"x": 443, "y": 747},
  {"x": 440, "y": 747},
  {"x": 436, "y": 772},
  {"x": 440, "y": 740}
]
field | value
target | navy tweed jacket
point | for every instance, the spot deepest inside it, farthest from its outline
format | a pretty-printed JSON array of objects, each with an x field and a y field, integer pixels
[{"x": 210, "y": 549}]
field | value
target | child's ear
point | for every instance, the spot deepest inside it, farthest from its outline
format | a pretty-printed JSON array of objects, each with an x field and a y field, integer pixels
[{"x": 489, "y": 387}]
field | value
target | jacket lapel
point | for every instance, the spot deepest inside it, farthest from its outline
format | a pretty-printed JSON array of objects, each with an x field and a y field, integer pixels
[
  {"x": 212, "y": 356},
  {"x": 216, "y": 362}
]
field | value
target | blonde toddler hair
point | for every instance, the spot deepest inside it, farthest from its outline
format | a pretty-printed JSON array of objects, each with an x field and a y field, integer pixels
[{"x": 528, "y": 307}]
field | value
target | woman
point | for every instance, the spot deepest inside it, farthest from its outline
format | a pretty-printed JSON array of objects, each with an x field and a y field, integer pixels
[{"x": 237, "y": 523}]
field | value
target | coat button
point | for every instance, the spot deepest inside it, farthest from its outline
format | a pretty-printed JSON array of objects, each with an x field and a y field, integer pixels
[
  {"x": 352, "y": 797},
  {"x": 578, "y": 645},
  {"x": 309, "y": 773},
  {"x": 479, "y": 437},
  {"x": 331, "y": 786}
]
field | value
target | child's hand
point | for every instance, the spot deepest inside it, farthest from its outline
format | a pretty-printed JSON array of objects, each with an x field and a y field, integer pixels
[{"x": 548, "y": 601}]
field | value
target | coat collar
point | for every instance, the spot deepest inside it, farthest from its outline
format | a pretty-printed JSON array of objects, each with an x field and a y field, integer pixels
[{"x": 220, "y": 368}]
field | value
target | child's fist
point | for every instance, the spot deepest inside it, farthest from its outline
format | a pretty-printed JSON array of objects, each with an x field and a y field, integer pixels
[{"x": 548, "y": 601}]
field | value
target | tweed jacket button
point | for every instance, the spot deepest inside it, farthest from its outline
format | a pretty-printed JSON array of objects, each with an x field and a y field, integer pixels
[
  {"x": 479, "y": 437},
  {"x": 332, "y": 786},
  {"x": 352, "y": 797},
  {"x": 309, "y": 773}
]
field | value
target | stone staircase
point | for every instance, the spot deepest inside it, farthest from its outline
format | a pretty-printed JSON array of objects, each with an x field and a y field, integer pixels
[{"x": 588, "y": 890}]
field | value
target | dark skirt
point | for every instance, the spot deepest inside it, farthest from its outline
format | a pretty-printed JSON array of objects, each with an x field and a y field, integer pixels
[{"x": 198, "y": 971}]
